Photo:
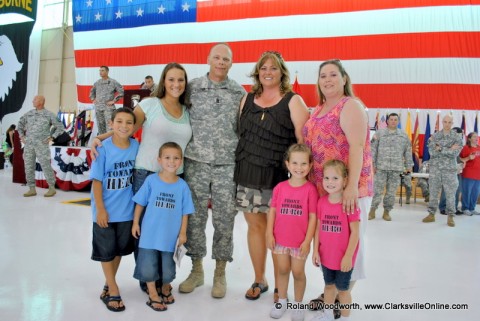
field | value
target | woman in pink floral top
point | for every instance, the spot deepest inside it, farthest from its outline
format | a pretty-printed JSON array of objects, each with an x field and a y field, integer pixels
[{"x": 338, "y": 129}]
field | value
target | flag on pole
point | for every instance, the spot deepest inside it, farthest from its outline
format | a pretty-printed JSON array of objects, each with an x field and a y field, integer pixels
[
  {"x": 408, "y": 126},
  {"x": 426, "y": 153},
  {"x": 464, "y": 126},
  {"x": 296, "y": 86},
  {"x": 437, "y": 122},
  {"x": 383, "y": 122},
  {"x": 399, "y": 121},
  {"x": 475, "y": 127},
  {"x": 415, "y": 147},
  {"x": 376, "y": 120}
]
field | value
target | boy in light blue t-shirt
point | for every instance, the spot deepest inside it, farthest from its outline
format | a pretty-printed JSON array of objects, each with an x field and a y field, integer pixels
[
  {"x": 112, "y": 206},
  {"x": 169, "y": 202}
]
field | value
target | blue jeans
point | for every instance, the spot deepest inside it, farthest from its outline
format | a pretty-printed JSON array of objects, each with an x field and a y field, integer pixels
[
  {"x": 470, "y": 192},
  {"x": 442, "y": 205},
  {"x": 147, "y": 267},
  {"x": 139, "y": 176},
  {"x": 337, "y": 277}
]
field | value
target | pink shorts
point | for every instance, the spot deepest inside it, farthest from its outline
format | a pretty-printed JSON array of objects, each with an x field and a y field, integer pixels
[{"x": 292, "y": 251}]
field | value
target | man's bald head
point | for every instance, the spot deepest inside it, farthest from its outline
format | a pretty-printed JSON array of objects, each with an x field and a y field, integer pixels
[{"x": 38, "y": 102}]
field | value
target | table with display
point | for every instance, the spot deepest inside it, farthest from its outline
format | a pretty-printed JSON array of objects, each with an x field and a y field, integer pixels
[
  {"x": 418, "y": 175},
  {"x": 71, "y": 166}
]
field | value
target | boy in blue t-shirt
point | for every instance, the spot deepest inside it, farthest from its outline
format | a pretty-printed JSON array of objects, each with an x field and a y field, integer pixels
[
  {"x": 169, "y": 202},
  {"x": 112, "y": 206}
]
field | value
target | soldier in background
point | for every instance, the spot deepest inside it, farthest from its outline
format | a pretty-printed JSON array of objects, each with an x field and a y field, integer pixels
[
  {"x": 442, "y": 205},
  {"x": 149, "y": 84},
  {"x": 444, "y": 147},
  {"x": 104, "y": 93},
  {"x": 34, "y": 131},
  {"x": 392, "y": 156}
]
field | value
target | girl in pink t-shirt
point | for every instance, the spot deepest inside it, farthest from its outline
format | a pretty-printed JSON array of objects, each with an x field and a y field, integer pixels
[
  {"x": 290, "y": 228},
  {"x": 336, "y": 240}
]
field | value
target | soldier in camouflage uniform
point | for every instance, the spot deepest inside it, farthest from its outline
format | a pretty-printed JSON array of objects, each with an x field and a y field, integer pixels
[
  {"x": 103, "y": 97},
  {"x": 444, "y": 147},
  {"x": 392, "y": 156},
  {"x": 34, "y": 131},
  {"x": 209, "y": 167}
]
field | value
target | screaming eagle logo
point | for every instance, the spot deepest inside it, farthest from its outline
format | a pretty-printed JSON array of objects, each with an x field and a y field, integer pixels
[{"x": 9, "y": 66}]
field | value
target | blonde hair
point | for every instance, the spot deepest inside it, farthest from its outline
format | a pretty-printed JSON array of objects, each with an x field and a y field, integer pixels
[
  {"x": 277, "y": 59},
  {"x": 298, "y": 148},
  {"x": 338, "y": 165}
]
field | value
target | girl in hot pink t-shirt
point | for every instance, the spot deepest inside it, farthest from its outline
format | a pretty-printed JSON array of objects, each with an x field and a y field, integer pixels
[
  {"x": 336, "y": 239},
  {"x": 291, "y": 226}
]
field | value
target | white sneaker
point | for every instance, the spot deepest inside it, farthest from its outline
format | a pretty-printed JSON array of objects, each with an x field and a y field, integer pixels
[
  {"x": 278, "y": 310},
  {"x": 467, "y": 212},
  {"x": 322, "y": 316},
  {"x": 298, "y": 315},
  {"x": 474, "y": 213}
]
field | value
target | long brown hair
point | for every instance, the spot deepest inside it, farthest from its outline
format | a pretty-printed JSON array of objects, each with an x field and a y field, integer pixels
[
  {"x": 347, "y": 88},
  {"x": 160, "y": 91}
]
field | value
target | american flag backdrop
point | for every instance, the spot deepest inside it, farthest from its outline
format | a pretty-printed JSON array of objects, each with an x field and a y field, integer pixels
[{"x": 399, "y": 53}]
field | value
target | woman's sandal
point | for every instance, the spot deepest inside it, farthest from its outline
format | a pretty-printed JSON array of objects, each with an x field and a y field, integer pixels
[
  {"x": 151, "y": 303},
  {"x": 317, "y": 304},
  {"x": 116, "y": 298},
  {"x": 165, "y": 297},
  {"x": 104, "y": 292},
  {"x": 261, "y": 287}
]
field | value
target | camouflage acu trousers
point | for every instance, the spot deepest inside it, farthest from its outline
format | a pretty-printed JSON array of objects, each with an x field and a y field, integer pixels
[
  {"x": 38, "y": 151},
  {"x": 207, "y": 180},
  {"x": 390, "y": 180},
  {"x": 103, "y": 114},
  {"x": 448, "y": 180}
]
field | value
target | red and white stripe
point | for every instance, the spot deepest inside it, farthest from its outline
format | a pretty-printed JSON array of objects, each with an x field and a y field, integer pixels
[{"x": 400, "y": 54}]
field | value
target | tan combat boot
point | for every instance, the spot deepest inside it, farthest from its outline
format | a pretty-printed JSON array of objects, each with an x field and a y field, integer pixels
[
  {"x": 371, "y": 214},
  {"x": 51, "y": 191},
  {"x": 195, "y": 278},
  {"x": 450, "y": 221},
  {"x": 219, "y": 281},
  {"x": 31, "y": 192},
  {"x": 429, "y": 218},
  {"x": 386, "y": 215}
]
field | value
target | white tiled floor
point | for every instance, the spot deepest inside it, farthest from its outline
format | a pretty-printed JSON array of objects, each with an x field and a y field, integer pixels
[{"x": 46, "y": 273}]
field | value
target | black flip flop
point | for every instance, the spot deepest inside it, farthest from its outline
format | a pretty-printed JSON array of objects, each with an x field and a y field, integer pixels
[
  {"x": 115, "y": 298},
  {"x": 263, "y": 288},
  {"x": 151, "y": 302}
]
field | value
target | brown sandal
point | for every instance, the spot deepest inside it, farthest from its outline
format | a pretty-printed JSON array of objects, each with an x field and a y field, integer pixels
[{"x": 165, "y": 297}]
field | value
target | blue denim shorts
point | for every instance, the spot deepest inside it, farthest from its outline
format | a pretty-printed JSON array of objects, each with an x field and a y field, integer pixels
[
  {"x": 114, "y": 240},
  {"x": 337, "y": 277},
  {"x": 147, "y": 269}
]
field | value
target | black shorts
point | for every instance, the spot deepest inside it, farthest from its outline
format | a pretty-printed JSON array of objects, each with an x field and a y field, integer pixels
[{"x": 114, "y": 240}]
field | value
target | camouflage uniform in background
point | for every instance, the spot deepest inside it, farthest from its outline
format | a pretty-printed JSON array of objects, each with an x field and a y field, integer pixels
[
  {"x": 392, "y": 155},
  {"x": 210, "y": 163},
  {"x": 443, "y": 169},
  {"x": 423, "y": 182},
  {"x": 34, "y": 130},
  {"x": 104, "y": 90}
]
